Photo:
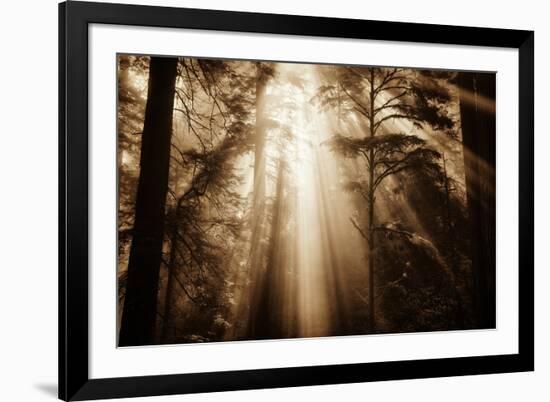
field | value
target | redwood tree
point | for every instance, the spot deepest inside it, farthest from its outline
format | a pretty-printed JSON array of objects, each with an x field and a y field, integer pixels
[
  {"x": 263, "y": 73},
  {"x": 139, "y": 313},
  {"x": 477, "y": 114}
]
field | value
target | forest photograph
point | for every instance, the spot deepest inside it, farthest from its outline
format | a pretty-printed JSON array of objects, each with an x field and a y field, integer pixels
[{"x": 272, "y": 200}]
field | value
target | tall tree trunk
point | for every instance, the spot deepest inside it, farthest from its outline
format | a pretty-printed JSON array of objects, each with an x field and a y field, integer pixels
[
  {"x": 454, "y": 259},
  {"x": 168, "y": 327},
  {"x": 259, "y": 144},
  {"x": 447, "y": 195},
  {"x": 267, "y": 317},
  {"x": 477, "y": 112},
  {"x": 370, "y": 206},
  {"x": 258, "y": 200},
  {"x": 169, "y": 297},
  {"x": 139, "y": 313}
]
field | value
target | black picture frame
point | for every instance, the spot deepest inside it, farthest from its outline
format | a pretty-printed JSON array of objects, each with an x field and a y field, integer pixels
[{"x": 74, "y": 381}]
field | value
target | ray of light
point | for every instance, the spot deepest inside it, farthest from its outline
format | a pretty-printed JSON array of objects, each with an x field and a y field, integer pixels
[{"x": 319, "y": 254}]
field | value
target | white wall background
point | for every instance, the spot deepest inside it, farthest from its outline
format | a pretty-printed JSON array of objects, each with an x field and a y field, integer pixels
[{"x": 28, "y": 199}]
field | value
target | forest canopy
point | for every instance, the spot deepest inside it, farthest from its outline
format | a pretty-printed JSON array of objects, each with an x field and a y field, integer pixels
[{"x": 266, "y": 200}]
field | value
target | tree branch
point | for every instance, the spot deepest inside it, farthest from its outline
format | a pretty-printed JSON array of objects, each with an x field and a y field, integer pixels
[
  {"x": 391, "y": 116},
  {"x": 387, "y": 104},
  {"x": 363, "y": 109},
  {"x": 359, "y": 229}
]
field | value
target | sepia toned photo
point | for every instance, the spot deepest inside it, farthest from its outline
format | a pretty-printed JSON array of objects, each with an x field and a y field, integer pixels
[{"x": 272, "y": 200}]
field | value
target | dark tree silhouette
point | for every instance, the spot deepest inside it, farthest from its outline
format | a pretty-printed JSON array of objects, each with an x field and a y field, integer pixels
[
  {"x": 139, "y": 314},
  {"x": 263, "y": 73},
  {"x": 477, "y": 112}
]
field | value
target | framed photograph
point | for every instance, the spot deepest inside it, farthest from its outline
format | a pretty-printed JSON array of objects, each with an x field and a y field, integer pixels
[{"x": 257, "y": 201}]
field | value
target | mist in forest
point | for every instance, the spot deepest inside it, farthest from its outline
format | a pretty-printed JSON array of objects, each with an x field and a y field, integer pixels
[{"x": 267, "y": 200}]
